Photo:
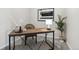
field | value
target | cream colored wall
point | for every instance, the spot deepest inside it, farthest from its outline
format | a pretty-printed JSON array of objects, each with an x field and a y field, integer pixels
[
  {"x": 73, "y": 28},
  {"x": 9, "y": 18}
]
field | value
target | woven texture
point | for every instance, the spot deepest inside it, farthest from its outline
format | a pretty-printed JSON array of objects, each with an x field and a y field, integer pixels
[{"x": 29, "y": 26}]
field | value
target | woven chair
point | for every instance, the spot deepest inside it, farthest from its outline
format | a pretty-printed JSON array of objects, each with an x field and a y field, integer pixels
[{"x": 30, "y": 26}]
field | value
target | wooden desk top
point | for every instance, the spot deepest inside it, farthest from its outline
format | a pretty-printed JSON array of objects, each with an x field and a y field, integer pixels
[{"x": 31, "y": 31}]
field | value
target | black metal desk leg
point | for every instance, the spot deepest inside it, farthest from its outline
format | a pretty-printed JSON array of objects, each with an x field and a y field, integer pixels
[
  {"x": 25, "y": 39},
  {"x": 36, "y": 39},
  {"x": 45, "y": 37},
  {"x": 9, "y": 43},
  {"x": 53, "y": 39},
  {"x": 13, "y": 42}
]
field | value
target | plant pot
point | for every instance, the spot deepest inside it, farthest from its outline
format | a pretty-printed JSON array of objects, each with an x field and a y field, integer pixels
[{"x": 62, "y": 36}]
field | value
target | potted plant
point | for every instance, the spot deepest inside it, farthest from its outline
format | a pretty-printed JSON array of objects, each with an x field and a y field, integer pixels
[{"x": 60, "y": 25}]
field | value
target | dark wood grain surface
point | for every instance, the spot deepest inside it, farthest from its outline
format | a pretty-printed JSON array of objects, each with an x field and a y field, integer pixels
[{"x": 31, "y": 31}]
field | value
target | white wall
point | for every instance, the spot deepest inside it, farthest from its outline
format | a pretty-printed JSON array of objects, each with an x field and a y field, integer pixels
[
  {"x": 73, "y": 28},
  {"x": 33, "y": 18},
  {"x": 9, "y": 18}
]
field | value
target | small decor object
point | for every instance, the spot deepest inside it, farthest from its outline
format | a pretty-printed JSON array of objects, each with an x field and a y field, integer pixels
[
  {"x": 18, "y": 29},
  {"x": 48, "y": 23},
  {"x": 45, "y": 13},
  {"x": 60, "y": 25}
]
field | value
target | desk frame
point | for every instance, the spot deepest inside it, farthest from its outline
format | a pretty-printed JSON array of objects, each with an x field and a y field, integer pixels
[{"x": 52, "y": 48}]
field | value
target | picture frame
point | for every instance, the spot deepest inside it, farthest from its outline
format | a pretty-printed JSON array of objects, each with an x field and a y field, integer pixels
[{"x": 45, "y": 13}]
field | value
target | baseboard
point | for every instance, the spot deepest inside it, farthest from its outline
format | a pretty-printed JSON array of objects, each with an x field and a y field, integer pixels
[
  {"x": 3, "y": 46},
  {"x": 69, "y": 46}
]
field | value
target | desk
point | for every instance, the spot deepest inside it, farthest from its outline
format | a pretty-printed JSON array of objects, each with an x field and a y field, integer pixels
[{"x": 32, "y": 31}]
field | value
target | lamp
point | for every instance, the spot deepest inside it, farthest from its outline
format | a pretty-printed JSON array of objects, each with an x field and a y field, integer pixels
[{"x": 48, "y": 23}]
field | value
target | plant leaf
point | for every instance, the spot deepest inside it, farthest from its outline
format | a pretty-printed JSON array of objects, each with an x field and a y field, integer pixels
[
  {"x": 64, "y": 18},
  {"x": 60, "y": 23},
  {"x": 59, "y": 17}
]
